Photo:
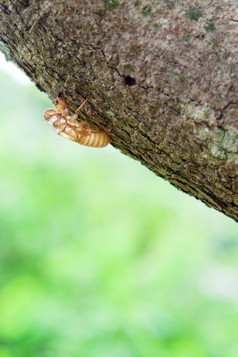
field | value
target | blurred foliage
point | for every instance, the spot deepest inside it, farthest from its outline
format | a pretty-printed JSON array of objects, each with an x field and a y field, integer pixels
[{"x": 99, "y": 257}]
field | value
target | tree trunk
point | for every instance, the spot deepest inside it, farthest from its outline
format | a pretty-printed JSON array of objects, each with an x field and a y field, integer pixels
[{"x": 162, "y": 77}]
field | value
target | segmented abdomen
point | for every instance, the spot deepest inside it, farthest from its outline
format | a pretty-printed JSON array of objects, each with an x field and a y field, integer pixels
[
  {"x": 94, "y": 139},
  {"x": 81, "y": 132}
]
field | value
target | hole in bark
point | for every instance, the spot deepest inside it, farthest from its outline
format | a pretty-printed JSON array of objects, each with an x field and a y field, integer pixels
[{"x": 130, "y": 81}]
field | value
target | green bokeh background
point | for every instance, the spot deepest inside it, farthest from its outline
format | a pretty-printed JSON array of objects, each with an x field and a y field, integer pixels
[{"x": 100, "y": 257}]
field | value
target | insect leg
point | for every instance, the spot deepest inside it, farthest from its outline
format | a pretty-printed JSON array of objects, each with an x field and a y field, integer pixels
[
  {"x": 75, "y": 115},
  {"x": 82, "y": 105},
  {"x": 49, "y": 113}
]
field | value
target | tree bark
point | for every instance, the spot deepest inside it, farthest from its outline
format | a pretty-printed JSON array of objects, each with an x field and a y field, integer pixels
[{"x": 162, "y": 77}]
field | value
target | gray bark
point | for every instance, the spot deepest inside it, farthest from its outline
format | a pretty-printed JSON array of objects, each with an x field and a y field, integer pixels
[{"x": 162, "y": 77}]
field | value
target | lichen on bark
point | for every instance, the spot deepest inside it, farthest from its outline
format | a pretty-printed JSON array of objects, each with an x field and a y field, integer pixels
[{"x": 162, "y": 77}]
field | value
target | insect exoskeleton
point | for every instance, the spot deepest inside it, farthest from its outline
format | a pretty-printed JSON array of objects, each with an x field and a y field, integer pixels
[
  {"x": 95, "y": 139},
  {"x": 72, "y": 129}
]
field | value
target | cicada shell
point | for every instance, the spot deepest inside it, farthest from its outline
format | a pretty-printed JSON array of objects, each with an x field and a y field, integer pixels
[{"x": 72, "y": 129}]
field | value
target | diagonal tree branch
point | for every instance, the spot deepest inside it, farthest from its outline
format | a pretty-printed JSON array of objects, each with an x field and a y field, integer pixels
[{"x": 162, "y": 77}]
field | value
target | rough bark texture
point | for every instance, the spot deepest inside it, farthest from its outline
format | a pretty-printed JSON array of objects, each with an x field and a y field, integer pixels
[{"x": 162, "y": 75}]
